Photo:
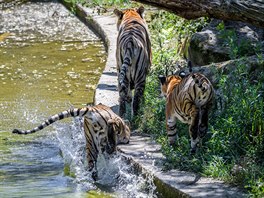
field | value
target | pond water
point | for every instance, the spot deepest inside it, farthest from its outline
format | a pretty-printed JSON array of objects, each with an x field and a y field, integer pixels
[{"x": 49, "y": 62}]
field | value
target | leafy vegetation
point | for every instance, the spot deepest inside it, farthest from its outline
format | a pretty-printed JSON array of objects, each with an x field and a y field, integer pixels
[
  {"x": 233, "y": 149},
  {"x": 234, "y": 146},
  {"x": 237, "y": 47}
]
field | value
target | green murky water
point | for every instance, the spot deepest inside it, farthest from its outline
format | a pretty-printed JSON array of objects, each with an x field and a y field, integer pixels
[
  {"x": 47, "y": 76},
  {"x": 42, "y": 71}
]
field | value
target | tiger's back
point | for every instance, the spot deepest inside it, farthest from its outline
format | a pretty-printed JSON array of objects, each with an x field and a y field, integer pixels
[
  {"x": 133, "y": 57},
  {"x": 195, "y": 90},
  {"x": 134, "y": 37}
]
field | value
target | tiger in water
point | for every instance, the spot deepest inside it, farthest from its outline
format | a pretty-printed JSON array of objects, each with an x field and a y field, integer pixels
[
  {"x": 133, "y": 56},
  {"x": 188, "y": 99},
  {"x": 103, "y": 130}
]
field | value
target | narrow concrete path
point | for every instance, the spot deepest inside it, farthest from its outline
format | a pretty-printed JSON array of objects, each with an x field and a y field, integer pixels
[{"x": 142, "y": 151}]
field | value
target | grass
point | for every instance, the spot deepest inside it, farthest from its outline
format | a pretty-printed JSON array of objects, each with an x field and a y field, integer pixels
[{"x": 233, "y": 148}]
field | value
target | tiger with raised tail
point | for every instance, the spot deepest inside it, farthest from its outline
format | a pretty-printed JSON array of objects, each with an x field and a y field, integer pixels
[
  {"x": 133, "y": 56},
  {"x": 188, "y": 99},
  {"x": 103, "y": 130}
]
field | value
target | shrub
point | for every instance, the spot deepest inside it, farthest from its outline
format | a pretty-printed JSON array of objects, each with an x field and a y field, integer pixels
[{"x": 233, "y": 149}]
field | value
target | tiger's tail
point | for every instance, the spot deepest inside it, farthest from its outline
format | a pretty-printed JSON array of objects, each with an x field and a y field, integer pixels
[
  {"x": 127, "y": 62},
  {"x": 65, "y": 114},
  {"x": 201, "y": 82}
]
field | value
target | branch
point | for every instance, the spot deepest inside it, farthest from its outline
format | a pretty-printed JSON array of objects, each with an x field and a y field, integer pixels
[{"x": 249, "y": 11}]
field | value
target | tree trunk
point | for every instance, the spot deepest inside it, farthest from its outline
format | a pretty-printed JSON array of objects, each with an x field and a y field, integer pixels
[{"x": 249, "y": 11}]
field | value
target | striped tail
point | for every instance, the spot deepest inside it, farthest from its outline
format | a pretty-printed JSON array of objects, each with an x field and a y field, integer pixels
[
  {"x": 127, "y": 62},
  {"x": 65, "y": 114},
  {"x": 201, "y": 82}
]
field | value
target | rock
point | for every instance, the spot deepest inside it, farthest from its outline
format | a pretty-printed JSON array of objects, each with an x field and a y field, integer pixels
[{"x": 217, "y": 42}]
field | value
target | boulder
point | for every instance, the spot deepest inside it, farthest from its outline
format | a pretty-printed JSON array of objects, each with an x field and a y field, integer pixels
[{"x": 220, "y": 41}]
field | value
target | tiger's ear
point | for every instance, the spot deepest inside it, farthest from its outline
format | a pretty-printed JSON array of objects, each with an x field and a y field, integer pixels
[
  {"x": 189, "y": 63},
  {"x": 111, "y": 121},
  {"x": 182, "y": 74},
  {"x": 127, "y": 123},
  {"x": 162, "y": 79},
  {"x": 140, "y": 11},
  {"x": 118, "y": 13},
  {"x": 114, "y": 123}
]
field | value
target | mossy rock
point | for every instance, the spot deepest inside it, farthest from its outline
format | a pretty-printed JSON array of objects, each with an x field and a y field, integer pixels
[{"x": 216, "y": 42}]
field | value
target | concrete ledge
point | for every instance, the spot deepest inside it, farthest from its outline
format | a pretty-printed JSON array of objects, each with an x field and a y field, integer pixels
[
  {"x": 146, "y": 155},
  {"x": 142, "y": 151}
]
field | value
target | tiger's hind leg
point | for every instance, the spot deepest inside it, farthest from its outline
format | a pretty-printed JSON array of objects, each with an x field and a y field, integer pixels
[
  {"x": 203, "y": 123},
  {"x": 137, "y": 99},
  {"x": 123, "y": 97},
  {"x": 91, "y": 147},
  {"x": 171, "y": 125},
  {"x": 122, "y": 107},
  {"x": 194, "y": 128}
]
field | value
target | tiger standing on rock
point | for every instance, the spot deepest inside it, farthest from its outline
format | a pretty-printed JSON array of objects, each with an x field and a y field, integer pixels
[
  {"x": 188, "y": 99},
  {"x": 133, "y": 57},
  {"x": 103, "y": 130}
]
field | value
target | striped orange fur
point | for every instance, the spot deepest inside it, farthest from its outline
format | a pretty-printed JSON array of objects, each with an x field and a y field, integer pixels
[
  {"x": 133, "y": 55},
  {"x": 188, "y": 99}
]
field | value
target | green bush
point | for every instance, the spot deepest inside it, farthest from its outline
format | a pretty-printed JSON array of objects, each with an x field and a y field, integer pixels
[
  {"x": 237, "y": 48},
  {"x": 234, "y": 146}
]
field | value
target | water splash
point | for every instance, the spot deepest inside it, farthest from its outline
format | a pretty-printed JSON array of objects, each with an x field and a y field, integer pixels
[
  {"x": 115, "y": 174},
  {"x": 72, "y": 144}
]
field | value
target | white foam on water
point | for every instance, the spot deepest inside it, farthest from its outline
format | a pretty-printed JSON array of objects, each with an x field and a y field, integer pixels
[{"x": 114, "y": 172}]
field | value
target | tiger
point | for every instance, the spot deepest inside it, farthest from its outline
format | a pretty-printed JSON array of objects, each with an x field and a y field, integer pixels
[
  {"x": 188, "y": 99},
  {"x": 103, "y": 130},
  {"x": 133, "y": 56}
]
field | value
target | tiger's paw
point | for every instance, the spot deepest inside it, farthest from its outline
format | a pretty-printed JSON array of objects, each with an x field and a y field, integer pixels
[{"x": 192, "y": 151}]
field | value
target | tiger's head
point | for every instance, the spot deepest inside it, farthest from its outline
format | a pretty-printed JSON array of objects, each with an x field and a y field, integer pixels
[
  {"x": 168, "y": 83},
  {"x": 118, "y": 133},
  {"x": 128, "y": 14}
]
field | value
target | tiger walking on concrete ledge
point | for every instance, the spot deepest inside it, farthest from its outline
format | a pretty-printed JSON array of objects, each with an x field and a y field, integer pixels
[
  {"x": 133, "y": 57},
  {"x": 102, "y": 127},
  {"x": 188, "y": 99}
]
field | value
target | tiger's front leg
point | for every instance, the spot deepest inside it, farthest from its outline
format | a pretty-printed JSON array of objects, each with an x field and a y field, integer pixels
[
  {"x": 91, "y": 150},
  {"x": 203, "y": 125},
  {"x": 194, "y": 128}
]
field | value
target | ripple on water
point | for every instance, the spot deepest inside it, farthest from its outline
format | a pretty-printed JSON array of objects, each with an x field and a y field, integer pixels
[{"x": 45, "y": 54}]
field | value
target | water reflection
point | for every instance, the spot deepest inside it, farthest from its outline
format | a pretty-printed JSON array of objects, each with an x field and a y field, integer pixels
[{"x": 48, "y": 61}]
